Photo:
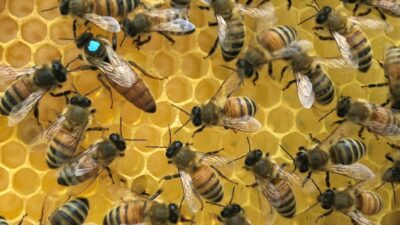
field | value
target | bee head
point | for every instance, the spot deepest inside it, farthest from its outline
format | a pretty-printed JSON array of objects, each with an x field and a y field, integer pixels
[
  {"x": 129, "y": 28},
  {"x": 81, "y": 101},
  {"x": 64, "y": 7},
  {"x": 173, "y": 213},
  {"x": 323, "y": 15},
  {"x": 343, "y": 106},
  {"x": 59, "y": 71},
  {"x": 196, "y": 116},
  {"x": 327, "y": 199},
  {"x": 391, "y": 175},
  {"x": 118, "y": 141},
  {"x": 83, "y": 39},
  {"x": 231, "y": 210},
  {"x": 244, "y": 68},
  {"x": 173, "y": 148},
  {"x": 301, "y": 160},
  {"x": 253, "y": 157}
]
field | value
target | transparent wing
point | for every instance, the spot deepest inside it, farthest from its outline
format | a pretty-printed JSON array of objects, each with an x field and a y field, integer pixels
[
  {"x": 228, "y": 86},
  {"x": 191, "y": 197},
  {"x": 334, "y": 63},
  {"x": 293, "y": 178},
  {"x": 269, "y": 191},
  {"x": 222, "y": 28},
  {"x": 345, "y": 49},
  {"x": 86, "y": 161},
  {"x": 392, "y": 6},
  {"x": 268, "y": 216},
  {"x": 21, "y": 110},
  {"x": 8, "y": 73},
  {"x": 106, "y": 23},
  {"x": 356, "y": 171},
  {"x": 245, "y": 123},
  {"x": 266, "y": 12},
  {"x": 371, "y": 23},
  {"x": 358, "y": 218},
  {"x": 218, "y": 161},
  {"x": 379, "y": 125},
  {"x": 176, "y": 26},
  {"x": 165, "y": 14},
  {"x": 51, "y": 130},
  {"x": 305, "y": 90}
]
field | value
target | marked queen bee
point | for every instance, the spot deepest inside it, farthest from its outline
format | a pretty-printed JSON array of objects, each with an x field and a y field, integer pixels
[
  {"x": 236, "y": 113},
  {"x": 28, "y": 87}
]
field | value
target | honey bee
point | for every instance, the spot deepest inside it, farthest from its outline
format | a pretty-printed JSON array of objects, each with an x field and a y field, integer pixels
[
  {"x": 73, "y": 212},
  {"x": 392, "y": 174},
  {"x": 28, "y": 87},
  {"x": 376, "y": 119},
  {"x": 144, "y": 211},
  {"x": 223, "y": 110},
  {"x": 353, "y": 44},
  {"x": 341, "y": 158},
  {"x": 65, "y": 134},
  {"x": 390, "y": 7},
  {"x": 390, "y": 66},
  {"x": 118, "y": 72},
  {"x": 353, "y": 201},
  {"x": 163, "y": 21},
  {"x": 231, "y": 30}
]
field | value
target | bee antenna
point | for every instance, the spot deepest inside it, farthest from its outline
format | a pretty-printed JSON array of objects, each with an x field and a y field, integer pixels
[
  {"x": 315, "y": 184},
  {"x": 316, "y": 3},
  {"x": 312, "y": 206},
  {"x": 153, "y": 146},
  {"x": 381, "y": 185},
  {"x": 22, "y": 219},
  {"x": 248, "y": 143},
  {"x": 233, "y": 194},
  {"x": 394, "y": 193},
  {"x": 135, "y": 139},
  {"x": 49, "y": 9},
  {"x": 180, "y": 109},
  {"x": 213, "y": 203},
  {"x": 228, "y": 67},
  {"x": 66, "y": 39},
  {"x": 240, "y": 157},
  {"x": 183, "y": 125},
  {"x": 73, "y": 60},
  {"x": 169, "y": 133},
  {"x": 92, "y": 91},
  {"x": 290, "y": 155},
  {"x": 307, "y": 19},
  {"x": 120, "y": 125},
  {"x": 326, "y": 115}
]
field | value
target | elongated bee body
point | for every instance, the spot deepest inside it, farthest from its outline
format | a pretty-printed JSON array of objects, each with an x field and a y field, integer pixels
[
  {"x": 206, "y": 183},
  {"x": 130, "y": 85},
  {"x": 137, "y": 212},
  {"x": 285, "y": 205},
  {"x": 235, "y": 33},
  {"x": 237, "y": 107},
  {"x": 91, "y": 162},
  {"x": 369, "y": 202},
  {"x": 73, "y": 212},
  {"x": 347, "y": 151},
  {"x": 352, "y": 41}
]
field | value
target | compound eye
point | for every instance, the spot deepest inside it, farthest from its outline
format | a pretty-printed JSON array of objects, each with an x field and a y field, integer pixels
[
  {"x": 258, "y": 153},
  {"x": 87, "y": 102},
  {"x": 236, "y": 208},
  {"x": 113, "y": 137},
  {"x": 74, "y": 101},
  {"x": 178, "y": 144},
  {"x": 249, "y": 71}
]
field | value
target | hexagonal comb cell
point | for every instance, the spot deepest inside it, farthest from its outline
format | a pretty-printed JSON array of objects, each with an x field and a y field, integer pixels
[
  {"x": 18, "y": 54},
  {"x": 8, "y": 28},
  {"x": 33, "y": 31},
  {"x": 20, "y": 10}
]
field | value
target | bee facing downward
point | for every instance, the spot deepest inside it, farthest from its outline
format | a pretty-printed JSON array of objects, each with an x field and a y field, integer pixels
[{"x": 28, "y": 87}]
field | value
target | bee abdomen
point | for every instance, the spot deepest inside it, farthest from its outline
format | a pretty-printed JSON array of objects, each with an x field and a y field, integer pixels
[
  {"x": 277, "y": 37},
  {"x": 286, "y": 203},
  {"x": 236, "y": 107},
  {"x": 67, "y": 177},
  {"x": 392, "y": 63},
  {"x": 323, "y": 88},
  {"x": 61, "y": 149},
  {"x": 115, "y": 8},
  {"x": 73, "y": 212},
  {"x": 14, "y": 95},
  {"x": 347, "y": 151},
  {"x": 3, "y": 221},
  {"x": 138, "y": 94},
  {"x": 234, "y": 39},
  {"x": 207, "y": 184},
  {"x": 128, "y": 213},
  {"x": 369, "y": 203},
  {"x": 360, "y": 48}
]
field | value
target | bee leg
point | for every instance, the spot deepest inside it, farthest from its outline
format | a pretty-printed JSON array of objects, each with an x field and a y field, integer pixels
[
  {"x": 324, "y": 215},
  {"x": 74, "y": 28},
  {"x": 223, "y": 176},
  {"x": 156, "y": 194},
  {"x": 253, "y": 185},
  {"x": 360, "y": 132},
  {"x": 394, "y": 193},
  {"x": 255, "y": 78},
  {"x": 203, "y": 7},
  {"x": 307, "y": 178},
  {"x": 109, "y": 173},
  {"x": 283, "y": 72},
  {"x": 381, "y": 14},
  {"x": 170, "y": 177},
  {"x": 169, "y": 38},
  {"x": 144, "y": 72},
  {"x": 289, "y": 84},
  {"x": 139, "y": 42},
  {"x": 198, "y": 130},
  {"x": 365, "y": 13},
  {"x": 62, "y": 94},
  {"x": 327, "y": 180},
  {"x": 314, "y": 139},
  {"x": 114, "y": 41},
  {"x": 212, "y": 24},
  {"x": 213, "y": 48},
  {"x": 289, "y": 5},
  {"x": 394, "y": 146},
  {"x": 324, "y": 38},
  {"x": 375, "y": 85},
  {"x": 270, "y": 69},
  {"x": 318, "y": 28},
  {"x": 214, "y": 152},
  {"x": 339, "y": 122},
  {"x": 96, "y": 129},
  {"x": 36, "y": 113},
  {"x": 248, "y": 2},
  {"x": 107, "y": 87}
]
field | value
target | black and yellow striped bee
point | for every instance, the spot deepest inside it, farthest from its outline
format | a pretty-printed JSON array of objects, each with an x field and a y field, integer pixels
[
  {"x": 389, "y": 7},
  {"x": 231, "y": 30},
  {"x": 28, "y": 87},
  {"x": 164, "y": 21},
  {"x": 73, "y": 212}
]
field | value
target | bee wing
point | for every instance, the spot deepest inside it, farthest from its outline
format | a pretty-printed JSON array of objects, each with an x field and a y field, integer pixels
[
  {"x": 345, "y": 49},
  {"x": 85, "y": 162},
  {"x": 392, "y": 6},
  {"x": 176, "y": 26},
  {"x": 21, "y": 110},
  {"x": 106, "y": 23},
  {"x": 244, "y": 123},
  {"x": 222, "y": 28},
  {"x": 264, "y": 201},
  {"x": 305, "y": 90},
  {"x": 358, "y": 218},
  {"x": 220, "y": 162},
  {"x": 118, "y": 70},
  {"x": 166, "y": 14},
  {"x": 8, "y": 73},
  {"x": 51, "y": 130},
  {"x": 371, "y": 23},
  {"x": 356, "y": 171},
  {"x": 228, "y": 86},
  {"x": 293, "y": 178},
  {"x": 269, "y": 191},
  {"x": 266, "y": 12},
  {"x": 335, "y": 63},
  {"x": 192, "y": 198}
]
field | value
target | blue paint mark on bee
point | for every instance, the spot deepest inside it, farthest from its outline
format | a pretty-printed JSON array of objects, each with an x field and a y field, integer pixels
[{"x": 93, "y": 46}]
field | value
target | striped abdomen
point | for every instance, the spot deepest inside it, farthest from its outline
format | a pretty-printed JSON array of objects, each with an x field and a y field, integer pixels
[
  {"x": 369, "y": 203},
  {"x": 347, "y": 151},
  {"x": 360, "y": 48},
  {"x": 234, "y": 38},
  {"x": 67, "y": 177},
  {"x": 62, "y": 147},
  {"x": 207, "y": 184},
  {"x": 114, "y": 8},
  {"x": 236, "y": 107},
  {"x": 127, "y": 213},
  {"x": 277, "y": 37},
  {"x": 392, "y": 64},
  {"x": 323, "y": 87},
  {"x": 285, "y": 204},
  {"x": 16, "y": 93},
  {"x": 138, "y": 94},
  {"x": 389, "y": 124},
  {"x": 73, "y": 212},
  {"x": 3, "y": 221}
]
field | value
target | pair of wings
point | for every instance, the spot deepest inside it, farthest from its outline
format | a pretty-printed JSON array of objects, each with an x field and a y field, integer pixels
[
  {"x": 22, "y": 109},
  {"x": 170, "y": 20},
  {"x": 192, "y": 198},
  {"x": 117, "y": 69},
  {"x": 355, "y": 171},
  {"x": 245, "y": 123}
]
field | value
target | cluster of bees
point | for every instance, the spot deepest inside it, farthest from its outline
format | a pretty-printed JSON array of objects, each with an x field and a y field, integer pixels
[{"x": 201, "y": 173}]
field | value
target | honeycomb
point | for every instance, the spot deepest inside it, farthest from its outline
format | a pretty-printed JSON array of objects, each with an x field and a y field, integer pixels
[{"x": 30, "y": 37}]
